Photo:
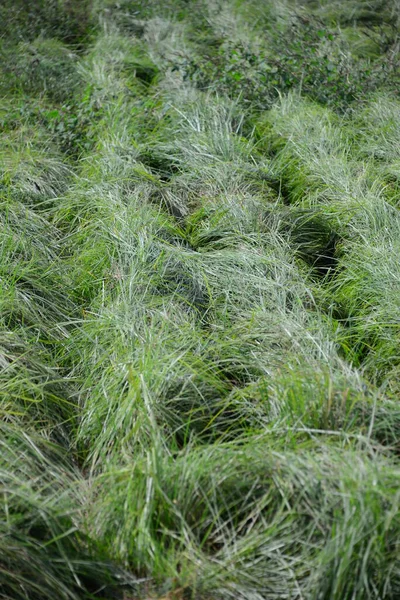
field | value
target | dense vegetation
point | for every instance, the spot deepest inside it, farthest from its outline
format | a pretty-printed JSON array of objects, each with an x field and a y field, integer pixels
[{"x": 200, "y": 299}]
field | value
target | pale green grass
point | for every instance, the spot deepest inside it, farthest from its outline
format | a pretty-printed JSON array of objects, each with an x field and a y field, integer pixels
[{"x": 320, "y": 171}]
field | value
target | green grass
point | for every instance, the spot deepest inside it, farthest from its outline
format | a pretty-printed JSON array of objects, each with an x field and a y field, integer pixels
[{"x": 199, "y": 293}]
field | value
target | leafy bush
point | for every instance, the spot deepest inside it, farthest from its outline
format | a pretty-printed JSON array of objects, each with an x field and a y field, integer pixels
[{"x": 303, "y": 54}]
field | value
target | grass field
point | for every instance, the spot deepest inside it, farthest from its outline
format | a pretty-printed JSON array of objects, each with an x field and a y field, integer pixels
[{"x": 200, "y": 299}]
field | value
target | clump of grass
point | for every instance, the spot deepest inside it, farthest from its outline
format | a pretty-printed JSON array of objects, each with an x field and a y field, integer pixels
[
  {"x": 43, "y": 66},
  {"x": 44, "y": 550},
  {"x": 320, "y": 168},
  {"x": 237, "y": 520},
  {"x": 375, "y": 12},
  {"x": 376, "y": 137}
]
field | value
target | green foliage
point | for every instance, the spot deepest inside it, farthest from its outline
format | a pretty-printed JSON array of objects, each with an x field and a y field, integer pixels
[
  {"x": 42, "y": 66},
  {"x": 43, "y": 548},
  {"x": 67, "y": 20},
  {"x": 302, "y": 52},
  {"x": 199, "y": 298}
]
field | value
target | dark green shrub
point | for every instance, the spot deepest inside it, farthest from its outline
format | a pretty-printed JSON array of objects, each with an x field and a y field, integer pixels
[
  {"x": 68, "y": 20},
  {"x": 302, "y": 54}
]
